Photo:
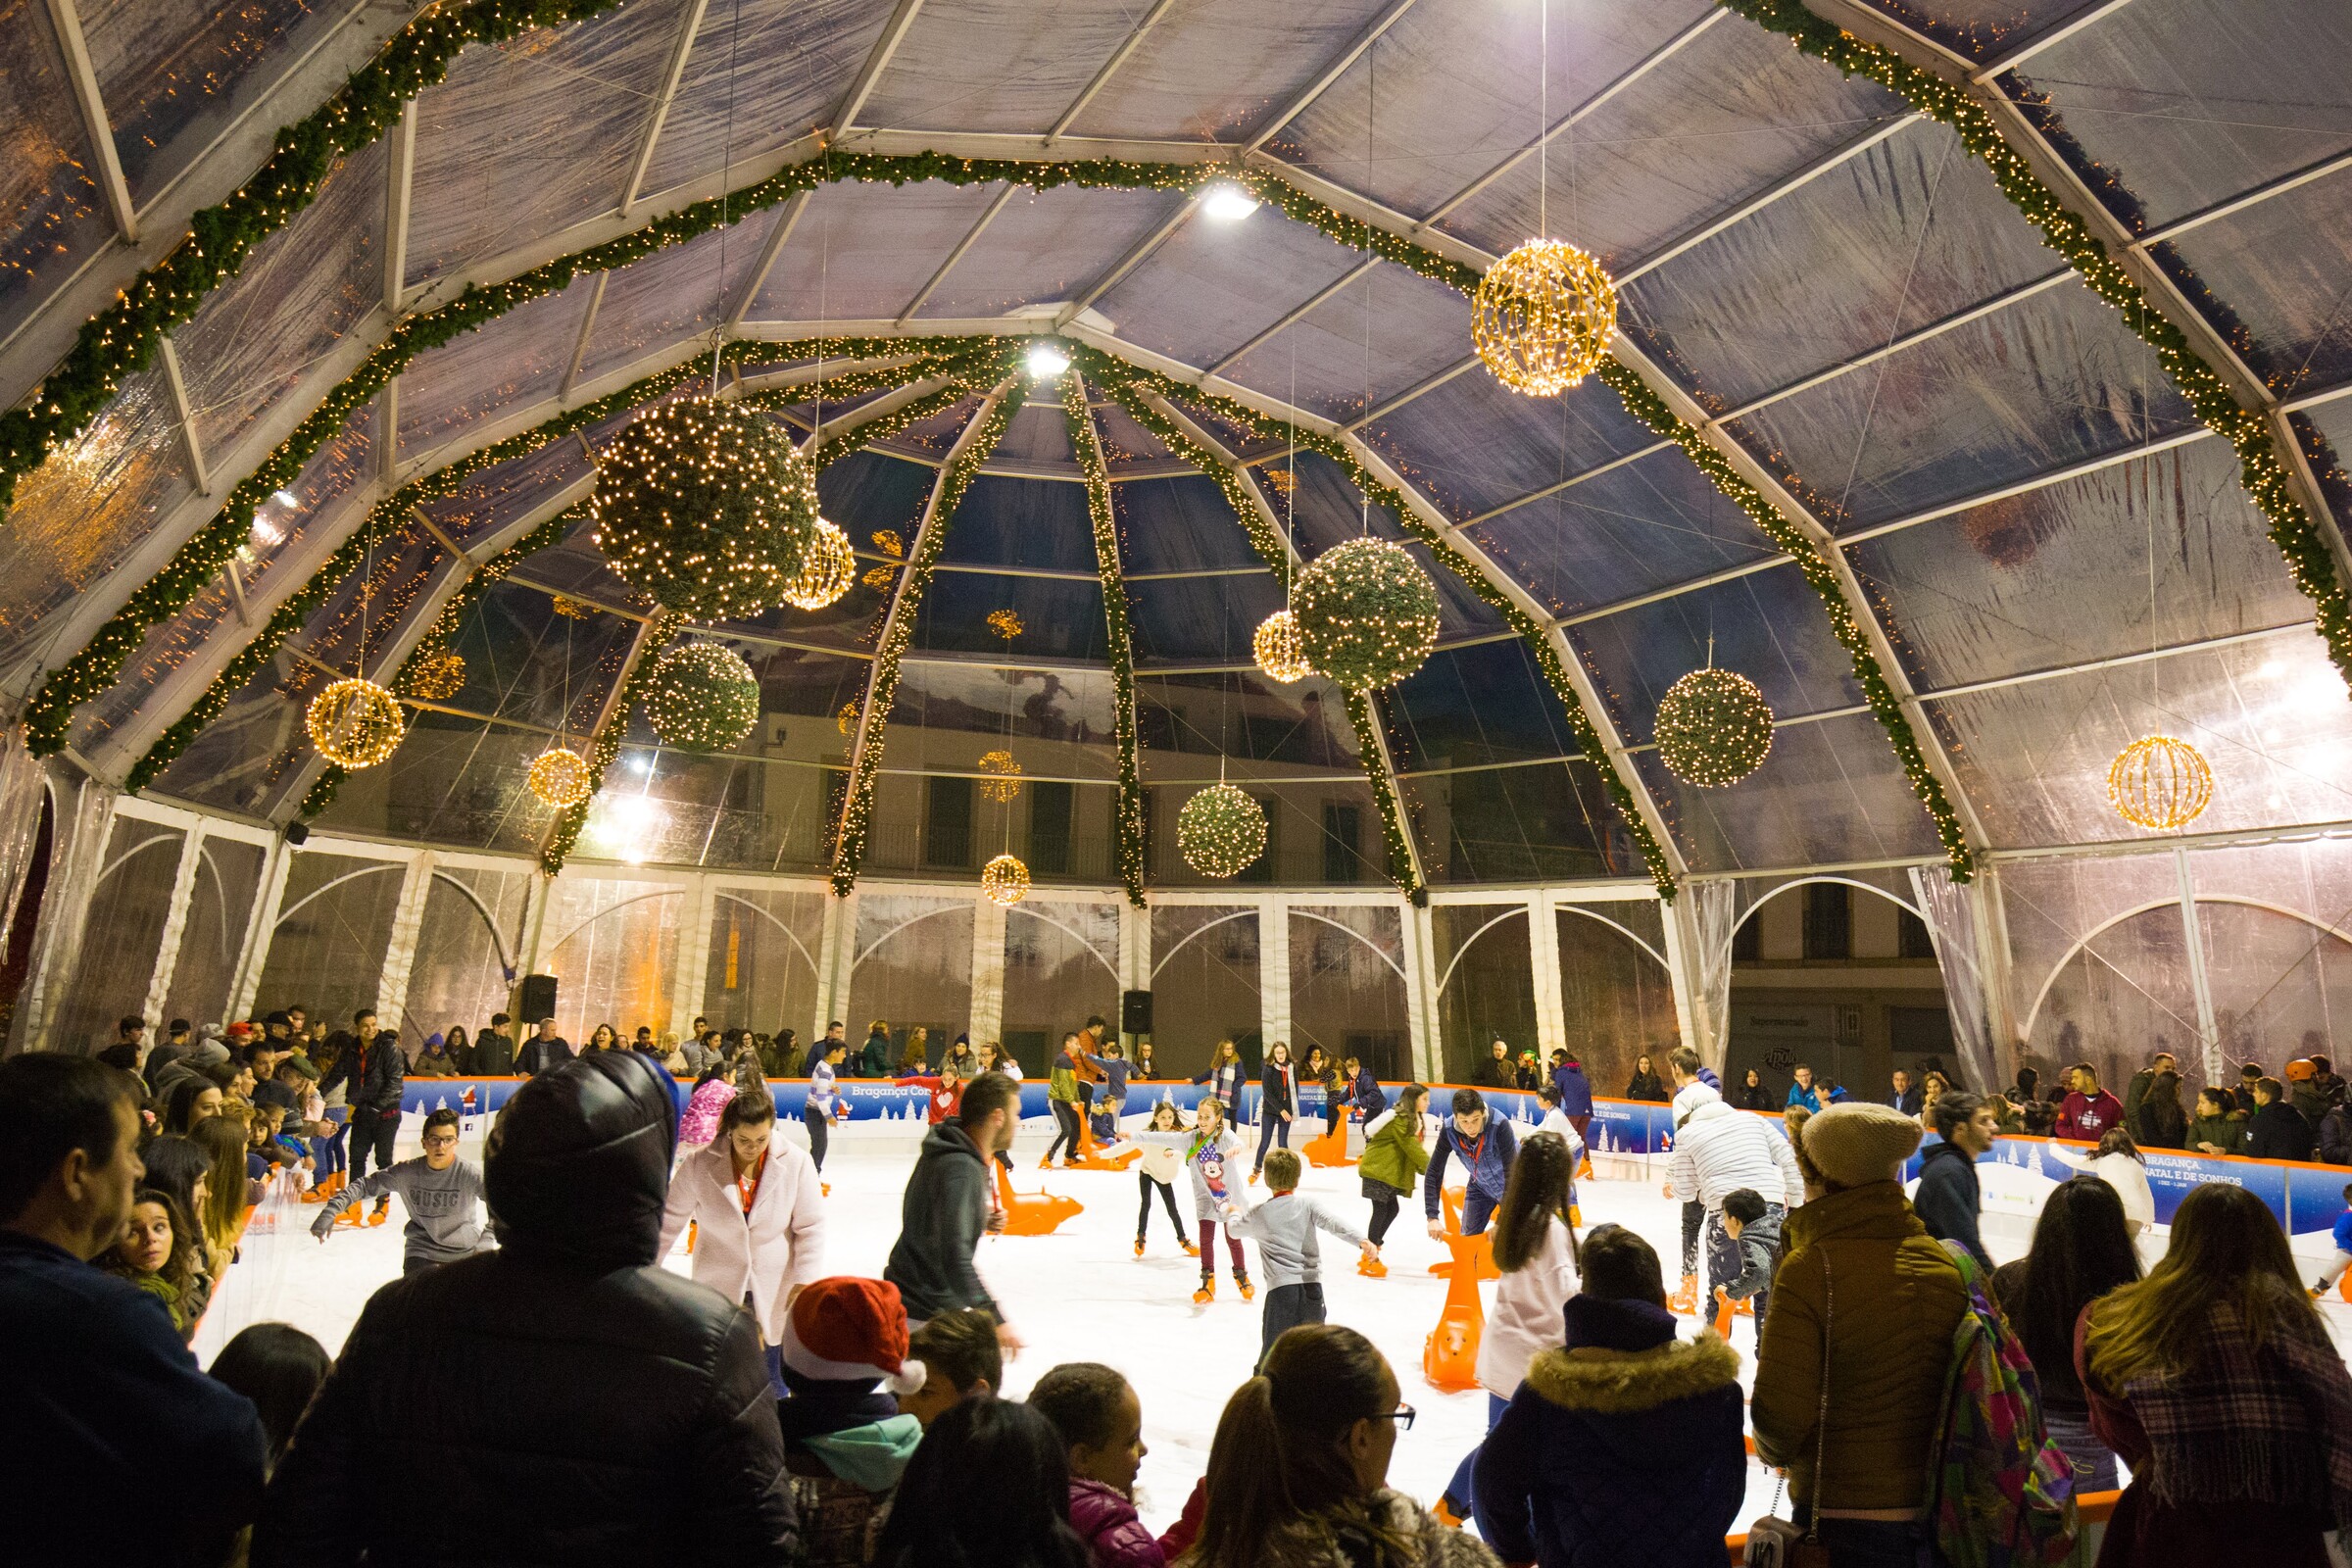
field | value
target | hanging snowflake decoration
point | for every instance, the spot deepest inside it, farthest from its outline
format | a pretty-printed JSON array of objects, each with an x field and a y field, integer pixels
[{"x": 1003, "y": 781}]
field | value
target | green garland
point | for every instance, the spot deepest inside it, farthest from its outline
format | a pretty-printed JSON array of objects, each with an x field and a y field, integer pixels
[
  {"x": 1822, "y": 578},
  {"x": 848, "y": 850},
  {"x": 565, "y": 833},
  {"x": 1087, "y": 443},
  {"x": 1547, "y": 660},
  {"x": 2292, "y": 529},
  {"x": 1121, "y": 379},
  {"x": 438, "y": 635},
  {"x": 122, "y": 339}
]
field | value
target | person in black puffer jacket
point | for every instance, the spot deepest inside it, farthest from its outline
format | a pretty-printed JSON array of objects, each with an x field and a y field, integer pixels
[{"x": 577, "y": 1403}]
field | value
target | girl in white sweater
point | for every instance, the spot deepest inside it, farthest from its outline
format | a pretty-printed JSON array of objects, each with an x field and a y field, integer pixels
[{"x": 1535, "y": 1247}]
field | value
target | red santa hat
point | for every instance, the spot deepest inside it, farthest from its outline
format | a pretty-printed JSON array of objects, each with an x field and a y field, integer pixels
[{"x": 850, "y": 1329}]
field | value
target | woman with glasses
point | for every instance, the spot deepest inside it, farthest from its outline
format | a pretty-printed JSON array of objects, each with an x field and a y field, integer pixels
[{"x": 1323, "y": 1416}]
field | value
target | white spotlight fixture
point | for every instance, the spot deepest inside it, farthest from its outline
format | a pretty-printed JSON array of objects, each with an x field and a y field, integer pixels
[
  {"x": 285, "y": 498},
  {"x": 1045, "y": 360},
  {"x": 1227, "y": 202}
]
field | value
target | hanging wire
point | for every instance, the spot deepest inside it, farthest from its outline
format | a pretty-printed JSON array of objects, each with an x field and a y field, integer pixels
[
  {"x": 1543, "y": 118},
  {"x": 1371, "y": 118},
  {"x": 726, "y": 181}
]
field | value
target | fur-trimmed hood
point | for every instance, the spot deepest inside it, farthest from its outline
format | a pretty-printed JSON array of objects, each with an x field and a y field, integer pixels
[
  {"x": 1604, "y": 1382},
  {"x": 1386, "y": 1530}
]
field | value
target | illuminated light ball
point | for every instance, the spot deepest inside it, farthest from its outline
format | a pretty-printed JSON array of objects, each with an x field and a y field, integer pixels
[
  {"x": 825, "y": 573},
  {"x": 706, "y": 508},
  {"x": 1542, "y": 318},
  {"x": 1280, "y": 652},
  {"x": 704, "y": 697},
  {"x": 847, "y": 719},
  {"x": 1714, "y": 728},
  {"x": 2159, "y": 782},
  {"x": 561, "y": 777},
  {"x": 1367, "y": 613},
  {"x": 438, "y": 676},
  {"x": 355, "y": 723},
  {"x": 1003, "y": 782},
  {"x": 1004, "y": 879},
  {"x": 1221, "y": 831}
]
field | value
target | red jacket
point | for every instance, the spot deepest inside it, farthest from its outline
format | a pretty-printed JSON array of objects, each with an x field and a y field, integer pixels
[
  {"x": 2089, "y": 1116},
  {"x": 1114, "y": 1536},
  {"x": 947, "y": 1095}
]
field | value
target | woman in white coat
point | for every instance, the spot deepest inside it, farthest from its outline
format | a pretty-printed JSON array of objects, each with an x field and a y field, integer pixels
[
  {"x": 756, "y": 1207},
  {"x": 2119, "y": 1164}
]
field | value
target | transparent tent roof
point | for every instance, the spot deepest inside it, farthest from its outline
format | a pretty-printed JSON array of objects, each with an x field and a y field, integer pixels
[{"x": 2055, "y": 554}]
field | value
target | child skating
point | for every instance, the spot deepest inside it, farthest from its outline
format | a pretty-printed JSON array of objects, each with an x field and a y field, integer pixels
[
  {"x": 1208, "y": 1151},
  {"x": 1284, "y": 1227},
  {"x": 1392, "y": 1166},
  {"x": 1159, "y": 1168}
]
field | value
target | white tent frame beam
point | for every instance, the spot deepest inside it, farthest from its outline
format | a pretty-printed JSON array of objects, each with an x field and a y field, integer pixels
[
  {"x": 94, "y": 121},
  {"x": 656, "y": 117}
]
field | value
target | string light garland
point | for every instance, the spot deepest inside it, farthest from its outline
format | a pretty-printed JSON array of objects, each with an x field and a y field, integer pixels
[
  {"x": 1280, "y": 651},
  {"x": 2159, "y": 782},
  {"x": 979, "y": 439},
  {"x": 1128, "y": 809},
  {"x": 566, "y": 834},
  {"x": 1367, "y": 613},
  {"x": 559, "y": 777},
  {"x": 706, "y": 507},
  {"x": 355, "y": 723},
  {"x": 1005, "y": 880},
  {"x": 1543, "y": 317},
  {"x": 440, "y": 675},
  {"x": 702, "y": 697},
  {"x": 1003, "y": 781},
  {"x": 1221, "y": 831},
  {"x": 1714, "y": 728},
  {"x": 826, "y": 573}
]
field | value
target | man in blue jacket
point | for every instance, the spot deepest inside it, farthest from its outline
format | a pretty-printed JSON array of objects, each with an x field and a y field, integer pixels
[
  {"x": 1488, "y": 1146},
  {"x": 115, "y": 1449}
]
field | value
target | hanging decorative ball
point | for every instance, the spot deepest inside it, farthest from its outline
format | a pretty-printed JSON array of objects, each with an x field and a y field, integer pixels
[
  {"x": 1543, "y": 317},
  {"x": 847, "y": 719},
  {"x": 1714, "y": 728},
  {"x": 706, "y": 507},
  {"x": 703, "y": 697},
  {"x": 1367, "y": 613},
  {"x": 1220, "y": 831},
  {"x": 1003, "y": 771},
  {"x": 1004, "y": 879},
  {"x": 2159, "y": 782},
  {"x": 573, "y": 609},
  {"x": 438, "y": 676},
  {"x": 355, "y": 723},
  {"x": 825, "y": 573},
  {"x": 1280, "y": 652},
  {"x": 561, "y": 777}
]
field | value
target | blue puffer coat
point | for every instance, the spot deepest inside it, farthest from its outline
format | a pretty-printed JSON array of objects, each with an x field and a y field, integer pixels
[{"x": 1572, "y": 1476}]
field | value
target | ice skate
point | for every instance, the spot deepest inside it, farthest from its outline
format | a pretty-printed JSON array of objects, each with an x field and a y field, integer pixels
[{"x": 1207, "y": 1292}]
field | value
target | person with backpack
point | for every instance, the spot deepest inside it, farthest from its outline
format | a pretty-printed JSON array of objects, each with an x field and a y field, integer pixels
[{"x": 1852, "y": 1362}]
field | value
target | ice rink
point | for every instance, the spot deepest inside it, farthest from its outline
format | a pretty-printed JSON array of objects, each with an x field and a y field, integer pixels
[{"x": 1082, "y": 1295}]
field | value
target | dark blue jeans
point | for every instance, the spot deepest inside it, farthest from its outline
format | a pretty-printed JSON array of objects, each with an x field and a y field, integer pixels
[
  {"x": 1873, "y": 1543},
  {"x": 1462, "y": 1490},
  {"x": 1270, "y": 1129}
]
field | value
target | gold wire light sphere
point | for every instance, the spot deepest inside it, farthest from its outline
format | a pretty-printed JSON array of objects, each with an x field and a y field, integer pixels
[
  {"x": 1543, "y": 316},
  {"x": 1281, "y": 652},
  {"x": 438, "y": 675},
  {"x": 847, "y": 719},
  {"x": 2159, "y": 782},
  {"x": 1003, "y": 782},
  {"x": 559, "y": 777},
  {"x": 827, "y": 571},
  {"x": 1006, "y": 880},
  {"x": 355, "y": 723}
]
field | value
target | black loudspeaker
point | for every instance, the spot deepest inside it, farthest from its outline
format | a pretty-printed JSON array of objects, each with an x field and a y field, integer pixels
[
  {"x": 1135, "y": 1012},
  {"x": 538, "y": 1001},
  {"x": 297, "y": 832}
]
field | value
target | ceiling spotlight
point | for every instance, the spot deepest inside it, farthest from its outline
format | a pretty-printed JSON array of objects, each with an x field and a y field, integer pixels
[
  {"x": 1047, "y": 361},
  {"x": 285, "y": 498},
  {"x": 1227, "y": 202}
]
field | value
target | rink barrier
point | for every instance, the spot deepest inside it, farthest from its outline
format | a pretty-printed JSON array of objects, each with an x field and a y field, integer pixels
[{"x": 2303, "y": 1198}]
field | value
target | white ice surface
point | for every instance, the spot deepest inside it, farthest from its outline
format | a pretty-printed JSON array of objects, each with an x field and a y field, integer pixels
[{"x": 1082, "y": 1295}]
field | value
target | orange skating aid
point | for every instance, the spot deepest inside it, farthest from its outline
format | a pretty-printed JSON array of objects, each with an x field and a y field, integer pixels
[
  {"x": 1724, "y": 1312},
  {"x": 1685, "y": 1300},
  {"x": 1032, "y": 1213},
  {"x": 1450, "y": 1357},
  {"x": 1482, "y": 1245},
  {"x": 1328, "y": 1152},
  {"x": 1090, "y": 1155}
]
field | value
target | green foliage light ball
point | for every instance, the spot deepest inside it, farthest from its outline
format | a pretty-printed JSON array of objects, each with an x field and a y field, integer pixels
[
  {"x": 1714, "y": 728},
  {"x": 704, "y": 697},
  {"x": 1367, "y": 613},
  {"x": 706, "y": 507},
  {"x": 1220, "y": 831}
]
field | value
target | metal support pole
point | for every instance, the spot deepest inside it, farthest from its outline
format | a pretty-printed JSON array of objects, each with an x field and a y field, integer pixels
[
  {"x": 688, "y": 995},
  {"x": 1544, "y": 951},
  {"x": 988, "y": 969},
  {"x": 2207, "y": 1027},
  {"x": 1273, "y": 972},
  {"x": 176, "y": 924},
  {"x": 399, "y": 951},
  {"x": 256, "y": 948}
]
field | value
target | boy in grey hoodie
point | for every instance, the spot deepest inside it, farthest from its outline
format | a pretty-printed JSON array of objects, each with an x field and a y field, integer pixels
[
  {"x": 1753, "y": 1226},
  {"x": 1284, "y": 1227},
  {"x": 443, "y": 1194}
]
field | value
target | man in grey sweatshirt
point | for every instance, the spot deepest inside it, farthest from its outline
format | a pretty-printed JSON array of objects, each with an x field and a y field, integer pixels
[
  {"x": 950, "y": 1203},
  {"x": 1284, "y": 1227},
  {"x": 443, "y": 1195}
]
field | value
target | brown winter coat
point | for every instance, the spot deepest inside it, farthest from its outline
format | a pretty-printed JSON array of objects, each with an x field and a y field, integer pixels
[
  {"x": 1386, "y": 1530},
  {"x": 1897, "y": 1299}
]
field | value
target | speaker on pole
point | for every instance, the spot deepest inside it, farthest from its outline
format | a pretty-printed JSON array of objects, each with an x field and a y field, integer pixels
[
  {"x": 1135, "y": 1012},
  {"x": 538, "y": 1001}
]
